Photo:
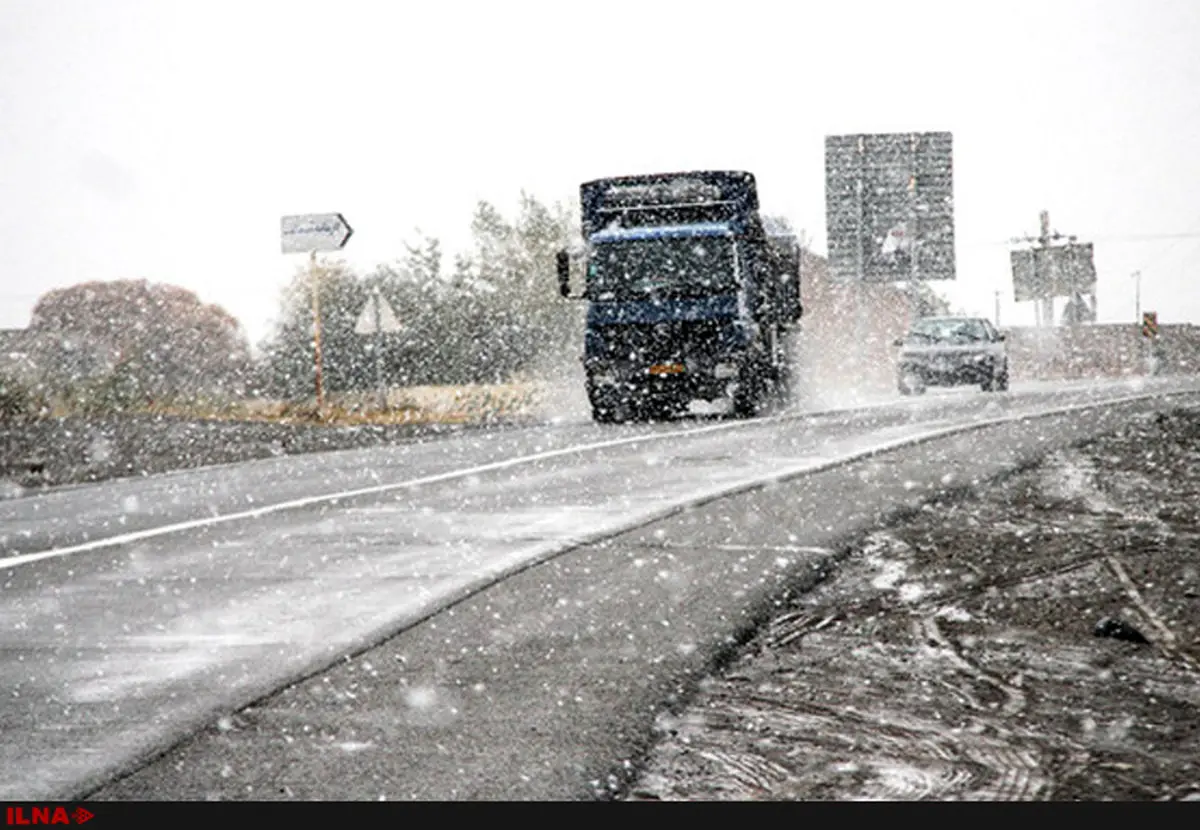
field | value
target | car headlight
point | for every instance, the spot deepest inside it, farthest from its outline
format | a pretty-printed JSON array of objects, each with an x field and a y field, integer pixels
[
  {"x": 725, "y": 370},
  {"x": 604, "y": 379}
]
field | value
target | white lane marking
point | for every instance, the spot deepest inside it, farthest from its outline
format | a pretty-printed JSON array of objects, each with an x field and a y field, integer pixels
[
  {"x": 208, "y": 521},
  {"x": 125, "y": 538}
]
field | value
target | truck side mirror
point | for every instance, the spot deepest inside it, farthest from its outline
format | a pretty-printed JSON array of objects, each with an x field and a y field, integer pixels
[{"x": 563, "y": 261}]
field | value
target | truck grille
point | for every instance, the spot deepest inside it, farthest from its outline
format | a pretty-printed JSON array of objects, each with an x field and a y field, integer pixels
[{"x": 669, "y": 340}]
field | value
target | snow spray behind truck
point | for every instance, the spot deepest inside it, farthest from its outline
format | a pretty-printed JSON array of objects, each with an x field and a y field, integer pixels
[{"x": 690, "y": 294}]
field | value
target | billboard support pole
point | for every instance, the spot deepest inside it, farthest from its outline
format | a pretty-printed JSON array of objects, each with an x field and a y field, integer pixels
[
  {"x": 1046, "y": 301},
  {"x": 913, "y": 236},
  {"x": 860, "y": 283}
]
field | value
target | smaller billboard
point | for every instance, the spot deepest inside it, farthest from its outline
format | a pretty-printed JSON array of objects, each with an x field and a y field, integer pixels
[{"x": 1061, "y": 271}]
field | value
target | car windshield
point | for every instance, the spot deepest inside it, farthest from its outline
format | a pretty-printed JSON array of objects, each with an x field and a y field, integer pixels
[{"x": 949, "y": 331}]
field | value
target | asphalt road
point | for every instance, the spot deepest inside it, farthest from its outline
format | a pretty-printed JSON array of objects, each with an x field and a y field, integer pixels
[{"x": 126, "y": 636}]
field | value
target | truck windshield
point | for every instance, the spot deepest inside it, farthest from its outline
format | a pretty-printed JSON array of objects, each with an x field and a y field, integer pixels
[{"x": 682, "y": 267}]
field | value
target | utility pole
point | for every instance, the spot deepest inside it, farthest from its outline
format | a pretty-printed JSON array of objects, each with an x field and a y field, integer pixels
[
  {"x": 1137, "y": 297},
  {"x": 997, "y": 308}
]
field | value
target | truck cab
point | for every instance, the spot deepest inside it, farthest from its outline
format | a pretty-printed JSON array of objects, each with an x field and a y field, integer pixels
[{"x": 688, "y": 294}]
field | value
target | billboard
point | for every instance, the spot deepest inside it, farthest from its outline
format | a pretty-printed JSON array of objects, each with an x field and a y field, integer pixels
[
  {"x": 889, "y": 206},
  {"x": 1061, "y": 271}
]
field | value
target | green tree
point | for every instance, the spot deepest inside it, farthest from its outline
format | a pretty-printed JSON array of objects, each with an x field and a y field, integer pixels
[
  {"x": 494, "y": 314},
  {"x": 512, "y": 267},
  {"x": 290, "y": 353}
]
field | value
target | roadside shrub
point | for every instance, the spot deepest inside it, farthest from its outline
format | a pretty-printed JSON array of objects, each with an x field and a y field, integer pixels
[{"x": 19, "y": 401}]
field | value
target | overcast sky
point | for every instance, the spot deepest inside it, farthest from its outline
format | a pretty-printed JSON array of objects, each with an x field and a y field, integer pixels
[{"x": 165, "y": 139}]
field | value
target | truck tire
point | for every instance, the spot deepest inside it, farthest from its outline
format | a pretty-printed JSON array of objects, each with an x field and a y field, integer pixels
[
  {"x": 605, "y": 410},
  {"x": 602, "y": 415},
  {"x": 781, "y": 393},
  {"x": 748, "y": 397}
]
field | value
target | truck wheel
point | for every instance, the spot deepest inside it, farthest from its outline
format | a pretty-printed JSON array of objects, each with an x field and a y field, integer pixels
[
  {"x": 607, "y": 410},
  {"x": 781, "y": 392},
  {"x": 661, "y": 410},
  {"x": 747, "y": 398},
  {"x": 602, "y": 415}
]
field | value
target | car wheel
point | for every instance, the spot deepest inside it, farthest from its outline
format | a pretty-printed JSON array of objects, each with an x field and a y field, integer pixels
[{"x": 910, "y": 384}]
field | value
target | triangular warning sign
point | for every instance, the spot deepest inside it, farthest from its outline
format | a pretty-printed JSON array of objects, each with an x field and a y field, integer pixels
[
  {"x": 387, "y": 317},
  {"x": 376, "y": 316}
]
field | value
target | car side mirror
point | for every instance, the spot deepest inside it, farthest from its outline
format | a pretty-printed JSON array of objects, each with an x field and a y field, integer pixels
[
  {"x": 563, "y": 262},
  {"x": 899, "y": 341},
  {"x": 1002, "y": 336}
]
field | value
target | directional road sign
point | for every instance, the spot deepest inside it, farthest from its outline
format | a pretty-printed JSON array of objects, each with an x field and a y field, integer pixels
[
  {"x": 314, "y": 232},
  {"x": 889, "y": 206}
]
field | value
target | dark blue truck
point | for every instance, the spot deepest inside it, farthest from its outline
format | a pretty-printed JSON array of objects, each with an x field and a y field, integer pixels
[{"x": 690, "y": 294}]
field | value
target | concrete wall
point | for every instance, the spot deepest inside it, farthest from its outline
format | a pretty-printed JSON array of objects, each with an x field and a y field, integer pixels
[{"x": 1101, "y": 350}]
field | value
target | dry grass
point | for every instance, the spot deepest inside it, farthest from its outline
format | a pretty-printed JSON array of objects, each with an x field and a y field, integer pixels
[{"x": 410, "y": 405}]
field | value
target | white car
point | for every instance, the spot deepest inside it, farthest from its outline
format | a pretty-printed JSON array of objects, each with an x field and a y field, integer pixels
[{"x": 952, "y": 351}]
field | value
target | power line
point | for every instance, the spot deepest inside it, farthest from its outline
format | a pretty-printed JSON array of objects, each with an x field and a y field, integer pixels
[
  {"x": 1147, "y": 237},
  {"x": 1023, "y": 240}
]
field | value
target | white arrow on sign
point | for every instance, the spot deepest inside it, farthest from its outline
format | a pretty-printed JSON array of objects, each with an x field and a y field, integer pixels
[
  {"x": 314, "y": 232},
  {"x": 377, "y": 316}
]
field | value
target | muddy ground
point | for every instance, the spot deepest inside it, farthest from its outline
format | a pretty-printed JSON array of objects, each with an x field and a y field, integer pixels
[{"x": 1039, "y": 641}]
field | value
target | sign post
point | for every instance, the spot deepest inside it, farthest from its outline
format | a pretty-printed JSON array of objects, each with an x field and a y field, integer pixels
[
  {"x": 377, "y": 318},
  {"x": 1150, "y": 341},
  {"x": 310, "y": 233}
]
